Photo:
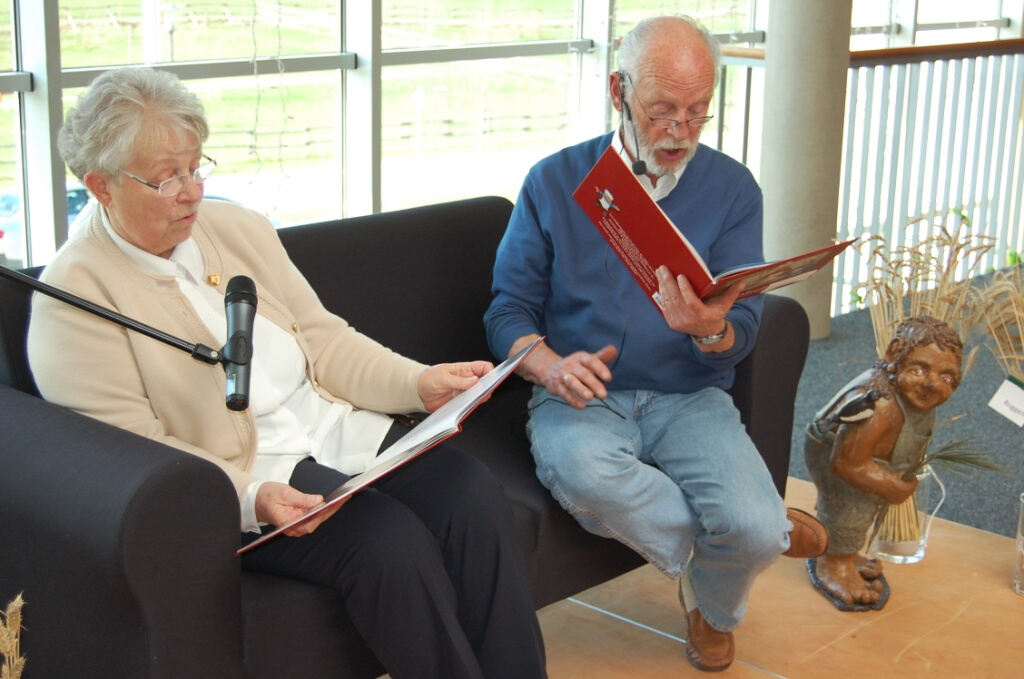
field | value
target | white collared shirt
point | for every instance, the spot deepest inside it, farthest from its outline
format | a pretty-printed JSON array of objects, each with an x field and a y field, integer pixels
[
  {"x": 665, "y": 183},
  {"x": 292, "y": 420}
]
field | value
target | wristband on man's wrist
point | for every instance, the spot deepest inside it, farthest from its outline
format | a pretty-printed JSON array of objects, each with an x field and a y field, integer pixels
[{"x": 712, "y": 339}]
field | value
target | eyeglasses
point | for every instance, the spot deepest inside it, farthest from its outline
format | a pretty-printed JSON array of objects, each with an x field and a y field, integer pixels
[
  {"x": 665, "y": 123},
  {"x": 170, "y": 188}
]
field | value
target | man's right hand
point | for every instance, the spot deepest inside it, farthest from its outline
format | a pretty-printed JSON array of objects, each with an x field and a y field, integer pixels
[
  {"x": 279, "y": 503},
  {"x": 578, "y": 378}
]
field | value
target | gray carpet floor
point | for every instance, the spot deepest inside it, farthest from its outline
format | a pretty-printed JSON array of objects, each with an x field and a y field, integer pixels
[{"x": 982, "y": 499}]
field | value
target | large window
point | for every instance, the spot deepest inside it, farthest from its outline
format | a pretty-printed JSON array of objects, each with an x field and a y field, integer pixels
[
  {"x": 470, "y": 127},
  {"x": 327, "y": 108},
  {"x": 94, "y": 33},
  {"x": 276, "y": 136},
  {"x": 436, "y": 23}
]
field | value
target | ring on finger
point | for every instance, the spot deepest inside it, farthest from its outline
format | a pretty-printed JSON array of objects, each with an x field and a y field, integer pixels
[{"x": 566, "y": 377}]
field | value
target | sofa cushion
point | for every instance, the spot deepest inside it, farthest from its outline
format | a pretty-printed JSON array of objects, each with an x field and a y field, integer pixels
[
  {"x": 417, "y": 281},
  {"x": 296, "y": 629},
  {"x": 562, "y": 559}
]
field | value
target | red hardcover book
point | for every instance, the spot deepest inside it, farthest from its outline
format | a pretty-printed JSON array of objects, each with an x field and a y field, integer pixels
[{"x": 645, "y": 238}]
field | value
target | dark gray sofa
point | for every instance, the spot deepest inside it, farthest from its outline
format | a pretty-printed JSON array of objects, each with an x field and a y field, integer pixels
[{"x": 124, "y": 547}]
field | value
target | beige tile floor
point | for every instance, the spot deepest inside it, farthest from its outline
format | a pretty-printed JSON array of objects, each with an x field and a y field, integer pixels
[{"x": 951, "y": 615}]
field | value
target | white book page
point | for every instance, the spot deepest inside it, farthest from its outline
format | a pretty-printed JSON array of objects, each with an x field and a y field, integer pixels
[{"x": 439, "y": 425}]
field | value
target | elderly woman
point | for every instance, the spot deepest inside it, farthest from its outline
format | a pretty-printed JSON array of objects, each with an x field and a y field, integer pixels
[{"x": 427, "y": 560}]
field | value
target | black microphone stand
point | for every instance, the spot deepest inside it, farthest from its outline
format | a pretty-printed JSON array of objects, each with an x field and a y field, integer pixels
[{"x": 199, "y": 352}]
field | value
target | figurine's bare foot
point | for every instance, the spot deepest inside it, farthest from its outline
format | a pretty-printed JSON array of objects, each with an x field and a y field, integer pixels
[
  {"x": 840, "y": 576},
  {"x": 869, "y": 569}
]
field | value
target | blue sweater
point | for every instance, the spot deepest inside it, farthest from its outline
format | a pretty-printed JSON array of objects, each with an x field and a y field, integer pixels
[{"x": 555, "y": 274}]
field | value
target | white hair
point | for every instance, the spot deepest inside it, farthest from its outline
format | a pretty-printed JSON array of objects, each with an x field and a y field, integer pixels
[
  {"x": 634, "y": 44},
  {"x": 100, "y": 132}
]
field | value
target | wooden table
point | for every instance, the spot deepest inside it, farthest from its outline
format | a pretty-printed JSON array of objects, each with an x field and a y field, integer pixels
[{"x": 954, "y": 614}]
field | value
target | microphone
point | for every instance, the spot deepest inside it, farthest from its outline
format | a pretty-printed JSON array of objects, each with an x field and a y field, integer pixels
[
  {"x": 639, "y": 166},
  {"x": 240, "y": 309}
]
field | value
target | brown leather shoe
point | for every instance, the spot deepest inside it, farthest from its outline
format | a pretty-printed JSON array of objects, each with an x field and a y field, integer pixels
[
  {"x": 808, "y": 538},
  {"x": 706, "y": 648}
]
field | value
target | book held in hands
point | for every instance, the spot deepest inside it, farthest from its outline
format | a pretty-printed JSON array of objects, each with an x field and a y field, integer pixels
[
  {"x": 644, "y": 238},
  {"x": 439, "y": 426}
]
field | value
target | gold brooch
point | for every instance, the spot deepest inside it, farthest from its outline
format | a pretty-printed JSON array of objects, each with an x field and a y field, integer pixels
[{"x": 213, "y": 279}]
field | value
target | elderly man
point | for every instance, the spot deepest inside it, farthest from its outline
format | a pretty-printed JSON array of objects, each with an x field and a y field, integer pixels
[{"x": 630, "y": 424}]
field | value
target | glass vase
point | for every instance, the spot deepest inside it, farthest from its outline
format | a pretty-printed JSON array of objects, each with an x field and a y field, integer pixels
[{"x": 900, "y": 533}]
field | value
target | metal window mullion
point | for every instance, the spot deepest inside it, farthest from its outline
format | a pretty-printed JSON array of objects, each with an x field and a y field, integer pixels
[
  {"x": 433, "y": 55},
  {"x": 748, "y": 89},
  {"x": 38, "y": 28},
  {"x": 361, "y": 109},
  {"x": 723, "y": 84},
  {"x": 1001, "y": 22},
  {"x": 1014, "y": 11},
  {"x": 757, "y": 37},
  {"x": 939, "y": 75},
  {"x": 589, "y": 104},
  {"x": 229, "y": 68},
  {"x": 15, "y": 81}
]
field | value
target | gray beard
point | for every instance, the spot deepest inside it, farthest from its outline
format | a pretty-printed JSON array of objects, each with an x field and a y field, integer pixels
[{"x": 646, "y": 152}]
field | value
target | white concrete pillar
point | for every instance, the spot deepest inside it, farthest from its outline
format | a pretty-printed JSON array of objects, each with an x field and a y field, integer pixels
[{"x": 807, "y": 58}]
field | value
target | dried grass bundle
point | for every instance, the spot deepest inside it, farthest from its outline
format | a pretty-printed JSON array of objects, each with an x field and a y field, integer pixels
[
  {"x": 902, "y": 522},
  {"x": 1002, "y": 308},
  {"x": 930, "y": 276},
  {"x": 10, "y": 640},
  {"x": 921, "y": 277}
]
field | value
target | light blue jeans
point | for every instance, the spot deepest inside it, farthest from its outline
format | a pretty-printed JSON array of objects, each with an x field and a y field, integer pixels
[{"x": 677, "y": 479}]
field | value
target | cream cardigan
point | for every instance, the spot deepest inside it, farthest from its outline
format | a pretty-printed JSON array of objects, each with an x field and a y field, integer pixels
[{"x": 132, "y": 381}]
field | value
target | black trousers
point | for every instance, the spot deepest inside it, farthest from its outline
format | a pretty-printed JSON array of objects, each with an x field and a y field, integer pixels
[{"x": 428, "y": 564}]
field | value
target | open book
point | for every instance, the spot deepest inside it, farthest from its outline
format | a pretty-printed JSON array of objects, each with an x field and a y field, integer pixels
[
  {"x": 440, "y": 425},
  {"x": 645, "y": 238}
]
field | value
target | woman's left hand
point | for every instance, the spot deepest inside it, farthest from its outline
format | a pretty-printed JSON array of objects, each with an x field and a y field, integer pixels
[
  {"x": 279, "y": 503},
  {"x": 440, "y": 383}
]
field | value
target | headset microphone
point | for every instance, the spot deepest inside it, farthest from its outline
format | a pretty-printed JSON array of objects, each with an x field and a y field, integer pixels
[{"x": 639, "y": 166}]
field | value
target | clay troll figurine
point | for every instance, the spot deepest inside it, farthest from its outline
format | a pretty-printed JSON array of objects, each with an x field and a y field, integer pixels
[{"x": 860, "y": 443}]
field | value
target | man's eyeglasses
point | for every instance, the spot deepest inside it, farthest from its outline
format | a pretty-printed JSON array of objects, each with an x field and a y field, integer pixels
[
  {"x": 170, "y": 188},
  {"x": 665, "y": 123}
]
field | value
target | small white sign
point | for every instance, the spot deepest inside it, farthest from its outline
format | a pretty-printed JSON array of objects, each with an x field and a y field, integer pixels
[{"x": 1008, "y": 401}]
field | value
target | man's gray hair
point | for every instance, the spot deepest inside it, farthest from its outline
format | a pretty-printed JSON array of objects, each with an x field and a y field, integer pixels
[
  {"x": 635, "y": 42},
  {"x": 100, "y": 132}
]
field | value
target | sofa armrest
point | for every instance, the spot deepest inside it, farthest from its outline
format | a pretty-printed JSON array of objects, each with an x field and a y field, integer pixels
[
  {"x": 766, "y": 382},
  {"x": 122, "y": 546}
]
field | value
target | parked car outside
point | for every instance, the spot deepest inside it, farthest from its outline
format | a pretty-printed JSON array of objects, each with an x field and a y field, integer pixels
[{"x": 12, "y": 222}]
